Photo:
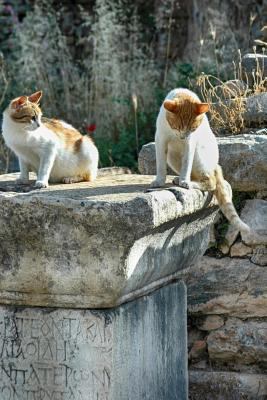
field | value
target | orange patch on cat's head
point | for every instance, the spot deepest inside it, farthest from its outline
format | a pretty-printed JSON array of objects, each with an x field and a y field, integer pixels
[
  {"x": 176, "y": 106},
  {"x": 171, "y": 106},
  {"x": 18, "y": 102},
  {"x": 24, "y": 109},
  {"x": 184, "y": 113},
  {"x": 21, "y": 101}
]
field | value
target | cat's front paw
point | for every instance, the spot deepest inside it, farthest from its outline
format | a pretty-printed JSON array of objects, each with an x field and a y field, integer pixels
[
  {"x": 40, "y": 184},
  {"x": 157, "y": 183},
  {"x": 185, "y": 184}
]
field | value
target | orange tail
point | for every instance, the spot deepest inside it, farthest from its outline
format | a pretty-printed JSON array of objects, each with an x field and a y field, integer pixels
[{"x": 223, "y": 193}]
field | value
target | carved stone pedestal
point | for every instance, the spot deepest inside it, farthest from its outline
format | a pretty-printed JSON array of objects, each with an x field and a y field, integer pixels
[
  {"x": 93, "y": 267},
  {"x": 137, "y": 351}
]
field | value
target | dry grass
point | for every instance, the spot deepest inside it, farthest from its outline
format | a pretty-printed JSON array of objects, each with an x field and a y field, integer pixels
[
  {"x": 121, "y": 65},
  {"x": 228, "y": 99},
  {"x": 44, "y": 62},
  {"x": 93, "y": 90}
]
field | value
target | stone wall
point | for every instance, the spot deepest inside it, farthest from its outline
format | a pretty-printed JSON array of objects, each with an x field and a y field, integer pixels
[{"x": 227, "y": 329}]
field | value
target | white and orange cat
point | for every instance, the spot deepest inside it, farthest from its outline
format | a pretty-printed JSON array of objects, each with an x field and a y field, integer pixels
[
  {"x": 186, "y": 142},
  {"x": 56, "y": 151}
]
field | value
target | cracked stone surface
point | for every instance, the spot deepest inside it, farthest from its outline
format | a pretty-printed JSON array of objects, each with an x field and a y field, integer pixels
[{"x": 97, "y": 245}]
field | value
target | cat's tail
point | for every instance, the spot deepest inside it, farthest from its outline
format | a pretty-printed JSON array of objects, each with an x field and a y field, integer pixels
[{"x": 223, "y": 193}]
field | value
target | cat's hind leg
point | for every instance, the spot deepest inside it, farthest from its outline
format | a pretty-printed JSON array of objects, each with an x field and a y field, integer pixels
[
  {"x": 93, "y": 170},
  {"x": 90, "y": 157}
]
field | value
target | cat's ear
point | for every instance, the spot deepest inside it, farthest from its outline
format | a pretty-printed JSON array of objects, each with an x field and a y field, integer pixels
[
  {"x": 170, "y": 105},
  {"x": 35, "y": 97},
  {"x": 201, "y": 108},
  {"x": 18, "y": 102}
]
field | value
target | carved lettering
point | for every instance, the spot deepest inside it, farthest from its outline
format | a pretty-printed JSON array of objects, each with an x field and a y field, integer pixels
[{"x": 59, "y": 355}]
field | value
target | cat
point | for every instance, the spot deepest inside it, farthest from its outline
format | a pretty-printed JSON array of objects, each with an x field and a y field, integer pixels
[
  {"x": 53, "y": 149},
  {"x": 185, "y": 141}
]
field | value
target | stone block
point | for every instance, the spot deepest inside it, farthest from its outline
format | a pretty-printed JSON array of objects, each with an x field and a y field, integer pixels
[
  {"x": 225, "y": 385},
  {"x": 147, "y": 159},
  {"x": 259, "y": 256},
  {"x": 256, "y": 109},
  {"x": 97, "y": 245},
  {"x": 239, "y": 343},
  {"x": 254, "y": 214},
  {"x": 137, "y": 351},
  {"x": 227, "y": 287},
  {"x": 210, "y": 322},
  {"x": 243, "y": 160},
  {"x": 198, "y": 349},
  {"x": 252, "y": 64}
]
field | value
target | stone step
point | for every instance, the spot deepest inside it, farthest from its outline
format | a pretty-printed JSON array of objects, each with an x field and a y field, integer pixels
[{"x": 208, "y": 385}]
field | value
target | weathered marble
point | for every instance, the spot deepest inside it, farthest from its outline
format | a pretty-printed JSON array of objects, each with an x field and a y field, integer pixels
[
  {"x": 210, "y": 323},
  {"x": 227, "y": 286},
  {"x": 224, "y": 385},
  {"x": 117, "y": 354},
  {"x": 243, "y": 159},
  {"x": 239, "y": 343},
  {"x": 97, "y": 245},
  {"x": 256, "y": 110},
  {"x": 254, "y": 214}
]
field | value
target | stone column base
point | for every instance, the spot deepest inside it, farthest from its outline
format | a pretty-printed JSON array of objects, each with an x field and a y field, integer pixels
[{"x": 137, "y": 351}]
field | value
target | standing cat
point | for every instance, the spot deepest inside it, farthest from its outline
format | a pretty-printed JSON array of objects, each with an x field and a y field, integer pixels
[
  {"x": 53, "y": 149},
  {"x": 186, "y": 142}
]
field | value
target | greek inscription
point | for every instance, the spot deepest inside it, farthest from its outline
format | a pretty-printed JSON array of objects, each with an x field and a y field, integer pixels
[{"x": 54, "y": 356}]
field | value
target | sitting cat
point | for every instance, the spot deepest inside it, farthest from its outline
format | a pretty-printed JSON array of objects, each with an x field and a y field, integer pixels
[
  {"x": 186, "y": 142},
  {"x": 56, "y": 151}
]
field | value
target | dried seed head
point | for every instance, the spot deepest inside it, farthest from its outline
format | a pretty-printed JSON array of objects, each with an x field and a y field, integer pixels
[{"x": 134, "y": 100}]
